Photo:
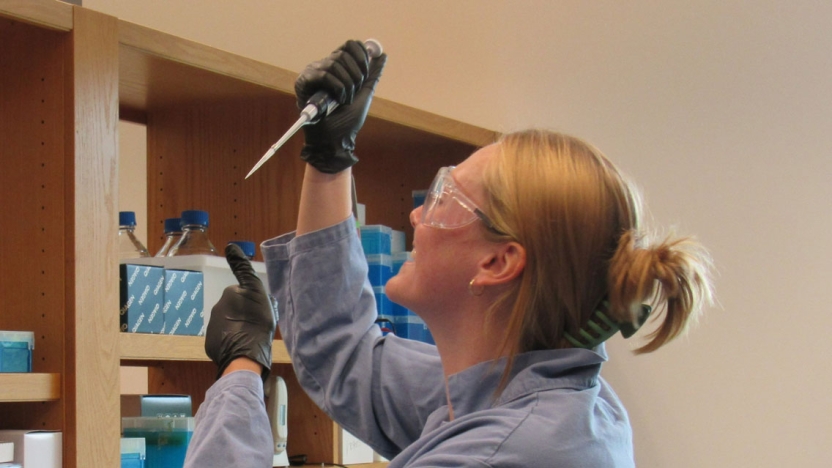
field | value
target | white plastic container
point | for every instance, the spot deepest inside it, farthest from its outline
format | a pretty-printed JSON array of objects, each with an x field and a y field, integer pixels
[{"x": 41, "y": 449}]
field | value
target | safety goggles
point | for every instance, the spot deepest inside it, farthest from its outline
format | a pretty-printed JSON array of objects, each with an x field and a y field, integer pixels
[{"x": 446, "y": 207}]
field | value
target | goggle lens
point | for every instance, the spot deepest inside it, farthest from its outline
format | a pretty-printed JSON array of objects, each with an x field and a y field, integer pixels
[{"x": 445, "y": 206}]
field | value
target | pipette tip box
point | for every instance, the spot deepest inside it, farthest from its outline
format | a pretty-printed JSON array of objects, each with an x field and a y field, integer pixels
[
  {"x": 166, "y": 439},
  {"x": 16, "y": 351},
  {"x": 376, "y": 239},
  {"x": 133, "y": 452}
]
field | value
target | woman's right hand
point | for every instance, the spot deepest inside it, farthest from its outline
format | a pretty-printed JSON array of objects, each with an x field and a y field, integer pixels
[{"x": 349, "y": 76}]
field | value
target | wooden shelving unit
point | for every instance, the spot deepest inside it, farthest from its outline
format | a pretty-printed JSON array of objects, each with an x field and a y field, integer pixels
[
  {"x": 29, "y": 387},
  {"x": 141, "y": 347},
  {"x": 67, "y": 75}
]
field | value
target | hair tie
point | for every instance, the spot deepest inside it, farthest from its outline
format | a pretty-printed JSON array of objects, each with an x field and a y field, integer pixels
[{"x": 474, "y": 292}]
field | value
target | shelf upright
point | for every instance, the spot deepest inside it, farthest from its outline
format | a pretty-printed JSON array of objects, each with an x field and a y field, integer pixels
[{"x": 59, "y": 114}]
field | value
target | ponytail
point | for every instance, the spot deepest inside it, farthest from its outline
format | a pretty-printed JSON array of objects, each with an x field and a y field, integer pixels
[{"x": 673, "y": 276}]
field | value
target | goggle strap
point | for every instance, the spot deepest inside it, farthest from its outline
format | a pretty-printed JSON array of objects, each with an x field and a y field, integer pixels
[{"x": 600, "y": 327}]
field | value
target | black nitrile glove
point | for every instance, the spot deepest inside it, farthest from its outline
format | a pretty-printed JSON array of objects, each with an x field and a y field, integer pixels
[
  {"x": 243, "y": 320},
  {"x": 350, "y": 77}
]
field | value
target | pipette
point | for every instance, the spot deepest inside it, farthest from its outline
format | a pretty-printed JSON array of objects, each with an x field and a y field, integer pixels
[{"x": 319, "y": 105}]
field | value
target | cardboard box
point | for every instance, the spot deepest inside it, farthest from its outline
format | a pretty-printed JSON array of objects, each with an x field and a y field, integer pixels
[
  {"x": 216, "y": 275},
  {"x": 353, "y": 450},
  {"x": 184, "y": 302},
  {"x": 141, "y": 294},
  {"x": 36, "y": 449}
]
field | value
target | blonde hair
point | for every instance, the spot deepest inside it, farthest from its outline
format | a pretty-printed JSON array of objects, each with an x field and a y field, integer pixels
[{"x": 579, "y": 220}]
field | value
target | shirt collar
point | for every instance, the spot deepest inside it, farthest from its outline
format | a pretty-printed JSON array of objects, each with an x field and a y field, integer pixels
[{"x": 473, "y": 389}]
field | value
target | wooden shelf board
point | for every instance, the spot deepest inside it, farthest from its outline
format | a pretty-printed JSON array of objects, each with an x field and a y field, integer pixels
[
  {"x": 143, "y": 347},
  {"x": 30, "y": 387},
  {"x": 52, "y": 15},
  {"x": 158, "y": 70}
]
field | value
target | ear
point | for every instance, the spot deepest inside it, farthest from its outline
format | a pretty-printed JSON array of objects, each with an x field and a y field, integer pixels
[{"x": 503, "y": 265}]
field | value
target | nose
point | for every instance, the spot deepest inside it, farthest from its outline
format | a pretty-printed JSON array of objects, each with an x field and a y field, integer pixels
[{"x": 415, "y": 216}]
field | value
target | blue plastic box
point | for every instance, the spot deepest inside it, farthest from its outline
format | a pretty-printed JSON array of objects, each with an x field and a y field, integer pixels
[
  {"x": 410, "y": 326},
  {"x": 384, "y": 306},
  {"x": 380, "y": 269},
  {"x": 419, "y": 197},
  {"x": 133, "y": 452},
  {"x": 16, "y": 351},
  {"x": 376, "y": 239},
  {"x": 399, "y": 258},
  {"x": 398, "y": 242},
  {"x": 166, "y": 439}
]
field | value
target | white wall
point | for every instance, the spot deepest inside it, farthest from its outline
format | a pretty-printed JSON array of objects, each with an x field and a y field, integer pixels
[{"x": 721, "y": 110}]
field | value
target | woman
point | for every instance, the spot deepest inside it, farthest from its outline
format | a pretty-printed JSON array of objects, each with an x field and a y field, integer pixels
[{"x": 526, "y": 257}]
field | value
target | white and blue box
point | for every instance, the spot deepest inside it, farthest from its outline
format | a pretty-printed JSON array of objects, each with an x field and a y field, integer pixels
[
  {"x": 399, "y": 259},
  {"x": 384, "y": 306},
  {"x": 141, "y": 295},
  {"x": 166, "y": 439},
  {"x": 16, "y": 351},
  {"x": 379, "y": 269},
  {"x": 398, "y": 242},
  {"x": 216, "y": 276},
  {"x": 376, "y": 239},
  {"x": 184, "y": 303},
  {"x": 133, "y": 452}
]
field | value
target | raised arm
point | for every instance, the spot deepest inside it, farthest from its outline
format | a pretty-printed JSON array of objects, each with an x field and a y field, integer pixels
[{"x": 349, "y": 76}]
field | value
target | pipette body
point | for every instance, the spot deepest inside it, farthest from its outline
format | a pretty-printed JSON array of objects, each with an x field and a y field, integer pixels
[{"x": 319, "y": 105}]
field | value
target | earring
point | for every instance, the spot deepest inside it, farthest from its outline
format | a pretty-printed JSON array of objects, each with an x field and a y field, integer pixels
[{"x": 475, "y": 292}]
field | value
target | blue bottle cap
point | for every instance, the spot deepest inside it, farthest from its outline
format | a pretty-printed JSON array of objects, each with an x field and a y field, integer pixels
[
  {"x": 246, "y": 246},
  {"x": 126, "y": 218},
  {"x": 195, "y": 217},
  {"x": 173, "y": 225}
]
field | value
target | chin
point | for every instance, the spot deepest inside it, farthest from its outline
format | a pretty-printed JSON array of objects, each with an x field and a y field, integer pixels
[{"x": 394, "y": 292}]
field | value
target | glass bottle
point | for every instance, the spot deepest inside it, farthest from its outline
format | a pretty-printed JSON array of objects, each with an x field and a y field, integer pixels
[
  {"x": 128, "y": 245},
  {"x": 194, "y": 240},
  {"x": 173, "y": 232},
  {"x": 247, "y": 247}
]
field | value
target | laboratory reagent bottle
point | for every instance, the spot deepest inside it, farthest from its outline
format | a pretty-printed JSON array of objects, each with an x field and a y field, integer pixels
[
  {"x": 194, "y": 240},
  {"x": 247, "y": 247},
  {"x": 128, "y": 245},
  {"x": 173, "y": 232}
]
